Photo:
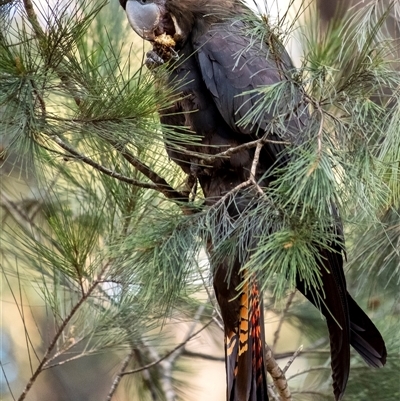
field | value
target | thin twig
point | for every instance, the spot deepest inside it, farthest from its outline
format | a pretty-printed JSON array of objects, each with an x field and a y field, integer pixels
[
  {"x": 313, "y": 369},
  {"x": 72, "y": 343},
  {"x": 318, "y": 393},
  {"x": 218, "y": 322},
  {"x": 212, "y": 301},
  {"x": 284, "y": 355},
  {"x": 250, "y": 181},
  {"x": 200, "y": 355},
  {"x": 211, "y": 159},
  {"x": 118, "y": 377},
  {"x": 172, "y": 358},
  {"x": 291, "y": 360},
  {"x": 6, "y": 380},
  {"x": 278, "y": 329},
  {"x": 254, "y": 165},
  {"x": 154, "y": 363}
]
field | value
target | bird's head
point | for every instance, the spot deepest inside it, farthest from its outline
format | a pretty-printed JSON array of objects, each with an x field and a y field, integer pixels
[
  {"x": 176, "y": 18},
  {"x": 150, "y": 18}
]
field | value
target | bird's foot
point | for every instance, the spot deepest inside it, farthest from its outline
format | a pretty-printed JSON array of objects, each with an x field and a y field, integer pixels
[{"x": 153, "y": 60}]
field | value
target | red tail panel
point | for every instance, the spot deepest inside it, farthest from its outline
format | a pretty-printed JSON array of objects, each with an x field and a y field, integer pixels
[{"x": 245, "y": 350}]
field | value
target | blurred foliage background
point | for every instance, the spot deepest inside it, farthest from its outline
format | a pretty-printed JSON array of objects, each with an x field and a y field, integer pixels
[{"x": 105, "y": 287}]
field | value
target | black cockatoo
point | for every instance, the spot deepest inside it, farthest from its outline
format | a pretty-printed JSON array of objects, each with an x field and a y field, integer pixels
[{"x": 209, "y": 51}]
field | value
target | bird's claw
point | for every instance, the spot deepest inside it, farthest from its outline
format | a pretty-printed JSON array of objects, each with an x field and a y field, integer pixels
[
  {"x": 174, "y": 54},
  {"x": 153, "y": 60}
]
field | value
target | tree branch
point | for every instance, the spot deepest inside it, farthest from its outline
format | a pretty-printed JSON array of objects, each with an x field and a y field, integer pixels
[
  {"x": 59, "y": 332},
  {"x": 165, "y": 374},
  {"x": 291, "y": 360},
  {"x": 160, "y": 183},
  {"x": 111, "y": 173},
  {"x": 147, "y": 379},
  {"x": 277, "y": 375}
]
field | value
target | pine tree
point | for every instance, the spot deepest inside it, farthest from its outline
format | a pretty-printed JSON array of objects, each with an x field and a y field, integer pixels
[{"x": 110, "y": 237}]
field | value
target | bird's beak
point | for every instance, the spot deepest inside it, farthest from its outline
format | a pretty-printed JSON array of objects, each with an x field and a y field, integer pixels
[{"x": 143, "y": 18}]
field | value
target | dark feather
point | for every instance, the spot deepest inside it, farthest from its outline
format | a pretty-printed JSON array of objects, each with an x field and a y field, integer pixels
[
  {"x": 365, "y": 337},
  {"x": 332, "y": 302}
]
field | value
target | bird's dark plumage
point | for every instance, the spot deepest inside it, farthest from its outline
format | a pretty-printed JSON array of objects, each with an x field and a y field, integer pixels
[{"x": 220, "y": 67}]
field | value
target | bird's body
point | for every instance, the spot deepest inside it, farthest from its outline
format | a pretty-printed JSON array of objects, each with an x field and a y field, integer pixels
[{"x": 218, "y": 68}]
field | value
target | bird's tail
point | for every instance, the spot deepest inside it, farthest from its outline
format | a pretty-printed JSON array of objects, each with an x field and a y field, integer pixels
[
  {"x": 365, "y": 337},
  {"x": 244, "y": 350}
]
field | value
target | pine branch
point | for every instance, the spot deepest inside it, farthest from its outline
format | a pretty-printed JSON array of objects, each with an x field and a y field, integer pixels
[
  {"x": 65, "y": 349},
  {"x": 319, "y": 141},
  {"x": 159, "y": 183},
  {"x": 60, "y": 331},
  {"x": 272, "y": 394},
  {"x": 42, "y": 39},
  {"x": 32, "y": 18},
  {"x": 111, "y": 173}
]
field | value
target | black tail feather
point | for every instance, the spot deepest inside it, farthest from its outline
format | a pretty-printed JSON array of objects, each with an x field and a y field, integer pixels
[
  {"x": 331, "y": 300},
  {"x": 365, "y": 337},
  {"x": 347, "y": 323}
]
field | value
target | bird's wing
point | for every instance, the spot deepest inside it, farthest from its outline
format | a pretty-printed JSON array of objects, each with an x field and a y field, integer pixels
[{"x": 234, "y": 70}]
